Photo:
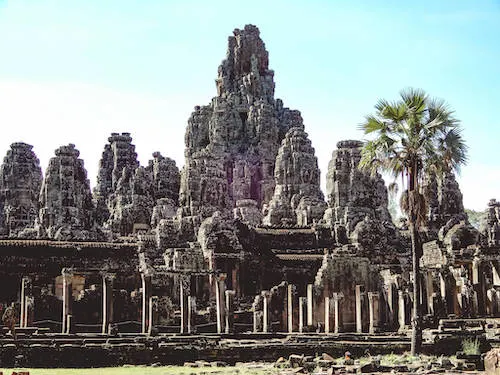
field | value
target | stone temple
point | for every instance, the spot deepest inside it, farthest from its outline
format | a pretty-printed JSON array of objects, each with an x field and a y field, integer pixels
[{"x": 242, "y": 239}]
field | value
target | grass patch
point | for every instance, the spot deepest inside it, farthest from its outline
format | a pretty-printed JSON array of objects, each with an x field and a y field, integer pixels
[{"x": 471, "y": 346}]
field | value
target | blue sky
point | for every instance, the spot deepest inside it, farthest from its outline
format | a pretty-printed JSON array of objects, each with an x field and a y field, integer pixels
[{"x": 75, "y": 71}]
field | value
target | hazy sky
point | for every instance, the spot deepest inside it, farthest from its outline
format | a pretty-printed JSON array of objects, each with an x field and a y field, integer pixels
[{"x": 75, "y": 71}]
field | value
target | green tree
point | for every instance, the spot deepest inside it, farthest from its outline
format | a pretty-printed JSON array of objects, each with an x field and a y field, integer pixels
[
  {"x": 409, "y": 138},
  {"x": 475, "y": 217}
]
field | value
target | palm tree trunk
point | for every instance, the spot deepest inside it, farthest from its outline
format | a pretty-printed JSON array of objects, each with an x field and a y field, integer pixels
[{"x": 416, "y": 319}]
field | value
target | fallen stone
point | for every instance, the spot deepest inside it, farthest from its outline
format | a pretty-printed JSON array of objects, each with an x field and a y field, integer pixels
[
  {"x": 324, "y": 364},
  {"x": 327, "y": 357},
  {"x": 492, "y": 362},
  {"x": 296, "y": 360},
  {"x": 219, "y": 364}
]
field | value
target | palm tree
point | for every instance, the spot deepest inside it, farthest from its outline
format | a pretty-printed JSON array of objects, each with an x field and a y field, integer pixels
[{"x": 411, "y": 137}]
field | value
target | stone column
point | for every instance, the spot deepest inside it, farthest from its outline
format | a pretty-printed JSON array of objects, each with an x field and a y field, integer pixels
[
  {"x": 474, "y": 304},
  {"x": 390, "y": 304},
  {"x": 146, "y": 291},
  {"x": 29, "y": 308},
  {"x": 310, "y": 305},
  {"x": 490, "y": 302},
  {"x": 337, "y": 323},
  {"x": 476, "y": 264},
  {"x": 478, "y": 286},
  {"x": 374, "y": 308},
  {"x": 401, "y": 310},
  {"x": 327, "y": 314},
  {"x": 220, "y": 290},
  {"x": 192, "y": 314},
  {"x": 429, "y": 287},
  {"x": 256, "y": 317},
  {"x": 289, "y": 302},
  {"x": 152, "y": 313},
  {"x": 498, "y": 302},
  {"x": 359, "y": 301},
  {"x": 230, "y": 311},
  {"x": 107, "y": 302},
  {"x": 265, "y": 311},
  {"x": 69, "y": 323},
  {"x": 442, "y": 286},
  {"x": 302, "y": 313},
  {"x": 25, "y": 291},
  {"x": 185, "y": 291},
  {"x": 495, "y": 273},
  {"x": 67, "y": 291}
]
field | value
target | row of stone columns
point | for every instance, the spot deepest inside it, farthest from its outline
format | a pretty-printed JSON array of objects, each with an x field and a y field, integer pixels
[{"x": 332, "y": 309}]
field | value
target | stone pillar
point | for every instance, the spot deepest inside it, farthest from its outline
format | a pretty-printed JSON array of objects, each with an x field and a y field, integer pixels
[
  {"x": 302, "y": 313},
  {"x": 69, "y": 323},
  {"x": 191, "y": 314},
  {"x": 256, "y": 317},
  {"x": 327, "y": 314},
  {"x": 146, "y": 291},
  {"x": 25, "y": 292},
  {"x": 230, "y": 311},
  {"x": 289, "y": 302},
  {"x": 429, "y": 287},
  {"x": 185, "y": 291},
  {"x": 236, "y": 279},
  {"x": 390, "y": 304},
  {"x": 476, "y": 264},
  {"x": 498, "y": 302},
  {"x": 374, "y": 308},
  {"x": 265, "y": 311},
  {"x": 67, "y": 297},
  {"x": 29, "y": 310},
  {"x": 359, "y": 302},
  {"x": 337, "y": 323},
  {"x": 478, "y": 286},
  {"x": 107, "y": 302},
  {"x": 310, "y": 305},
  {"x": 220, "y": 290},
  {"x": 152, "y": 313},
  {"x": 495, "y": 273},
  {"x": 474, "y": 304},
  {"x": 401, "y": 310},
  {"x": 442, "y": 286},
  {"x": 490, "y": 302}
]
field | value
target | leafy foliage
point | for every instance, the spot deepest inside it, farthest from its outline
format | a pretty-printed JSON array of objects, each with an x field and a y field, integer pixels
[
  {"x": 410, "y": 136},
  {"x": 475, "y": 217}
]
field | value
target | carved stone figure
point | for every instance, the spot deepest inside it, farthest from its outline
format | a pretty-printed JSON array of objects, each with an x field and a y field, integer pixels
[
  {"x": 67, "y": 211},
  {"x": 357, "y": 201},
  {"x": 20, "y": 181},
  {"x": 231, "y": 144},
  {"x": 298, "y": 198}
]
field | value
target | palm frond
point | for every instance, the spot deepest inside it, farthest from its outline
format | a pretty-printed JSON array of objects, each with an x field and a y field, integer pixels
[
  {"x": 415, "y": 99},
  {"x": 373, "y": 124}
]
